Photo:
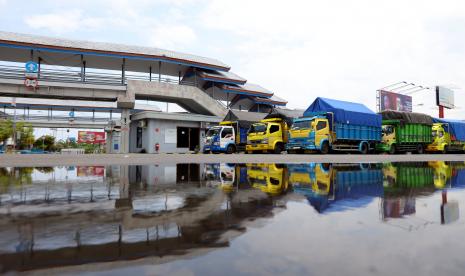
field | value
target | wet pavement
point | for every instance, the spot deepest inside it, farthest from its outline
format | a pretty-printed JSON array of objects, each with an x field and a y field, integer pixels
[{"x": 228, "y": 219}]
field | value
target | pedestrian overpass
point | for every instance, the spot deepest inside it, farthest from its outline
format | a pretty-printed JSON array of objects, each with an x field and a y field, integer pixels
[{"x": 73, "y": 70}]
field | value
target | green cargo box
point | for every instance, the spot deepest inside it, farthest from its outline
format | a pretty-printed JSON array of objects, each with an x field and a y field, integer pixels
[{"x": 408, "y": 136}]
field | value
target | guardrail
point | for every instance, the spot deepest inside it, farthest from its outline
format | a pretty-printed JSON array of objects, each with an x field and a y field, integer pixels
[
  {"x": 74, "y": 76},
  {"x": 20, "y": 117}
]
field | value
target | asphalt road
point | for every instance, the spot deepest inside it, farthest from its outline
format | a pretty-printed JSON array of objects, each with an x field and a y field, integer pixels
[{"x": 35, "y": 160}]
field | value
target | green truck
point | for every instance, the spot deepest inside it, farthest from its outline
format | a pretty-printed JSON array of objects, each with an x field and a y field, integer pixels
[{"x": 405, "y": 131}]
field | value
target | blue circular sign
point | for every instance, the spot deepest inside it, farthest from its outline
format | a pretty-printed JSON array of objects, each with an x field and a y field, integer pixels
[{"x": 32, "y": 67}]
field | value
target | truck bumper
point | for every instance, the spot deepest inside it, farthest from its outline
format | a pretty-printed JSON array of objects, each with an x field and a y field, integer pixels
[
  {"x": 298, "y": 146},
  {"x": 256, "y": 147},
  {"x": 383, "y": 147},
  {"x": 434, "y": 148},
  {"x": 213, "y": 148}
]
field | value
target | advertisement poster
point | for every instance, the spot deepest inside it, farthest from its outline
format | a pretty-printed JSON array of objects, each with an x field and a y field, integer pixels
[
  {"x": 444, "y": 97},
  {"x": 394, "y": 101},
  {"x": 84, "y": 171},
  {"x": 91, "y": 137}
]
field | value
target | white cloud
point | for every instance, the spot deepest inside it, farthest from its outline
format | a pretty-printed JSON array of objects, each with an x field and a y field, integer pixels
[
  {"x": 62, "y": 21},
  {"x": 173, "y": 37},
  {"x": 341, "y": 49}
]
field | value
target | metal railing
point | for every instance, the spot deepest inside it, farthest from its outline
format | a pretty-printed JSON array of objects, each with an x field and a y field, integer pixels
[
  {"x": 21, "y": 117},
  {"x": 74, "y": 76}
]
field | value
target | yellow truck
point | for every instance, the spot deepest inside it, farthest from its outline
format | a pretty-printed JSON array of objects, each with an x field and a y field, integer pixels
[
  {"x": 268, "y": 135},
  {"x": 269, "y": 178},
  {"x": 448, "y": 136}
]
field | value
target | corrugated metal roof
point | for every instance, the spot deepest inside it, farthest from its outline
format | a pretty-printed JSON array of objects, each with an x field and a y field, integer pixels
[
  {"x": 273, "y": 100},
  {"x": 236, "y": 115},
  {"x": 225, "y": 77},
  {"x": 104, "y": 47},
  {"x": 249, "y": 88}
]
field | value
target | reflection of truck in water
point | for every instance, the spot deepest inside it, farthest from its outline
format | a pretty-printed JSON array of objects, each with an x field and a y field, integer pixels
[
  {"x": 341, "y": 185},
  {"x": 405, "y": 131},
  {"x": 231, "y": 135},
  {"x": 448, "y": 136},
  {"x": 221, "y": 175},
  {"x": 402, "y": 182},
  {"x": 448, "y": 174},
  {"x": 269, "y": 178},
  {"x": 335, "y": 125}
]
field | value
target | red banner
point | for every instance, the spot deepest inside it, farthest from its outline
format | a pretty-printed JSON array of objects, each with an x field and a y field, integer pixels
[
  {"x": 83, "y": 171},
  {"x": 91, "y": 137}
]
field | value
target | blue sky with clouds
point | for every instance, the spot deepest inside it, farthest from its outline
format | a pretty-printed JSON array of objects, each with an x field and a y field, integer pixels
[{"x": 298, "y": 49}]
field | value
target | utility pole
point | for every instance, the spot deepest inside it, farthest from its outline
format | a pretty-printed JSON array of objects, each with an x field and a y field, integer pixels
[{"x": 13, "y": 104}]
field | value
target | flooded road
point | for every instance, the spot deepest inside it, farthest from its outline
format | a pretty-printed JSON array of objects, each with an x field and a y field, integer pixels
[{"x": 247, "y": 219}]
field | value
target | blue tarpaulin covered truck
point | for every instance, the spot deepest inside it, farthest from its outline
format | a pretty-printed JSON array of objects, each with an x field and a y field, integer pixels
[{"x": 335, "y": 125}]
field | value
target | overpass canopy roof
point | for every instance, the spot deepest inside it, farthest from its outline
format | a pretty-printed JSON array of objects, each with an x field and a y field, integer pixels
[
  {"x": 222, "y": 77},
  {"x": 16, "y": 47},
  {"x": 249, "y": 89}
]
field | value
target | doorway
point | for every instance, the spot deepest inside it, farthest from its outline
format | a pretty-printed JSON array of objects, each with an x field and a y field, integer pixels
[{"x": 188, "y": 137}]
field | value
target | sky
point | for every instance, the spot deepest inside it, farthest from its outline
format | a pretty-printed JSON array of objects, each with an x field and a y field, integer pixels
[{"x": 298, "y": 49}]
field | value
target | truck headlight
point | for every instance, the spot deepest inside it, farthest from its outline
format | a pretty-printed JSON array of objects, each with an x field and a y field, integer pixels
[
  {"x": 264, "y": 141},
  {"x": 216, "y": 143}
]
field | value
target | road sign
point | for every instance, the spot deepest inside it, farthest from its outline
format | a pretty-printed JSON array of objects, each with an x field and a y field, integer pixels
[
  {"x": 30, "y": 75},
  {"x": 71, "y": 114},
  {"x": 31, "y": 83},
  {"x": 32, "y": 67}
]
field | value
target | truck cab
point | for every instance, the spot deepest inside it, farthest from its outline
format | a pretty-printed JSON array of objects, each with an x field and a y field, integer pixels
[
  {"x": 441, "y": 139},
  {"x": 220, "y": 138},
  {"x": 268, "y": 135},
  {"x": 269, "y": 178},
  {"x": 311, "y": 134},
  {"x": 388, "y": 139}
]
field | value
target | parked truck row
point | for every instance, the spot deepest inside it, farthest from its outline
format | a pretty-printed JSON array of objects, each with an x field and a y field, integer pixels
[{"x": 332, "y": 125}]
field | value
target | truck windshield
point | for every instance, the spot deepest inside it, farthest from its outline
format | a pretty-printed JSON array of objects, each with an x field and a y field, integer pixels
[
  {"x": 213, "y": 131},
  {"x": 260, "y": 127},
  {"x": 301, "y": 125},
  {"x": 387, "y": 130}
]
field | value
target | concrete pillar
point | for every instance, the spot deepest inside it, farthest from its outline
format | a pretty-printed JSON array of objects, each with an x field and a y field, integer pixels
[
  {"x": 125, "y": 123},
  {"x": 124, "y": 200}
]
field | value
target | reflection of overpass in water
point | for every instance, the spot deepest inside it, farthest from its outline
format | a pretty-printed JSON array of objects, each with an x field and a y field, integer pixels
[{"x": 114, "y": 219}]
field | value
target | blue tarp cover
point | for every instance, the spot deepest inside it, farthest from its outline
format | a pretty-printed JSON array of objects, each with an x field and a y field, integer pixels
[
  {"x": 345, "y": 112},
  {"x": 456, "y": 127}
]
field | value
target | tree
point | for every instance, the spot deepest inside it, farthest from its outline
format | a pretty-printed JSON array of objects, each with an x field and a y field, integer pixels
[
  {"x": 25, "y": 133},
  {"x": 45, "y": 142},
  {"x": 6, "y": 130}
]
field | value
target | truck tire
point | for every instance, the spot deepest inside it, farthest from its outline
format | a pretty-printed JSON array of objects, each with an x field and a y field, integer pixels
[
  {"x": 230, "y": 149},
  {"x": 278, "y": 148},
  {"x": 364, "y": 149},
  {"x": 445, "y": 150},
  {"x": 420, "y": 149},
  {"x": 392, "y": 149},
  {"x": 325, "y": 148}
]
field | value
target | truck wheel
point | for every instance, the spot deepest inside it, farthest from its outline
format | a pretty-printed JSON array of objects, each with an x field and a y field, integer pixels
[
  {"x": 364, "y": 149},
  {"x": 230, "y": 149},
  {"x": 278, "y": 148},
  {"x": 420, "y": 149},
  {"x": 445, "y": 150},
  {"x": 325, "y": 148},
  {"x": 392, "y": 149}
]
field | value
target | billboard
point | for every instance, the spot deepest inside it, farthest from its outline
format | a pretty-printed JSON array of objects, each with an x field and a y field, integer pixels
[
  {"x": 394, "y": 101},
  {"x": 444, "y": 97},
  {"x": 83, "y": 171},
  {"x": 91, "y": 137}
]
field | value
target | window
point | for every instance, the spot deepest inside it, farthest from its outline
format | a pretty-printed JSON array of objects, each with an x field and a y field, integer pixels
[
  {"x": 226, "y": 133},
  {"x": 320, "y": 125},
  {"x": 139, "y": 138},
  {"x": 274, "y": 128}
]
